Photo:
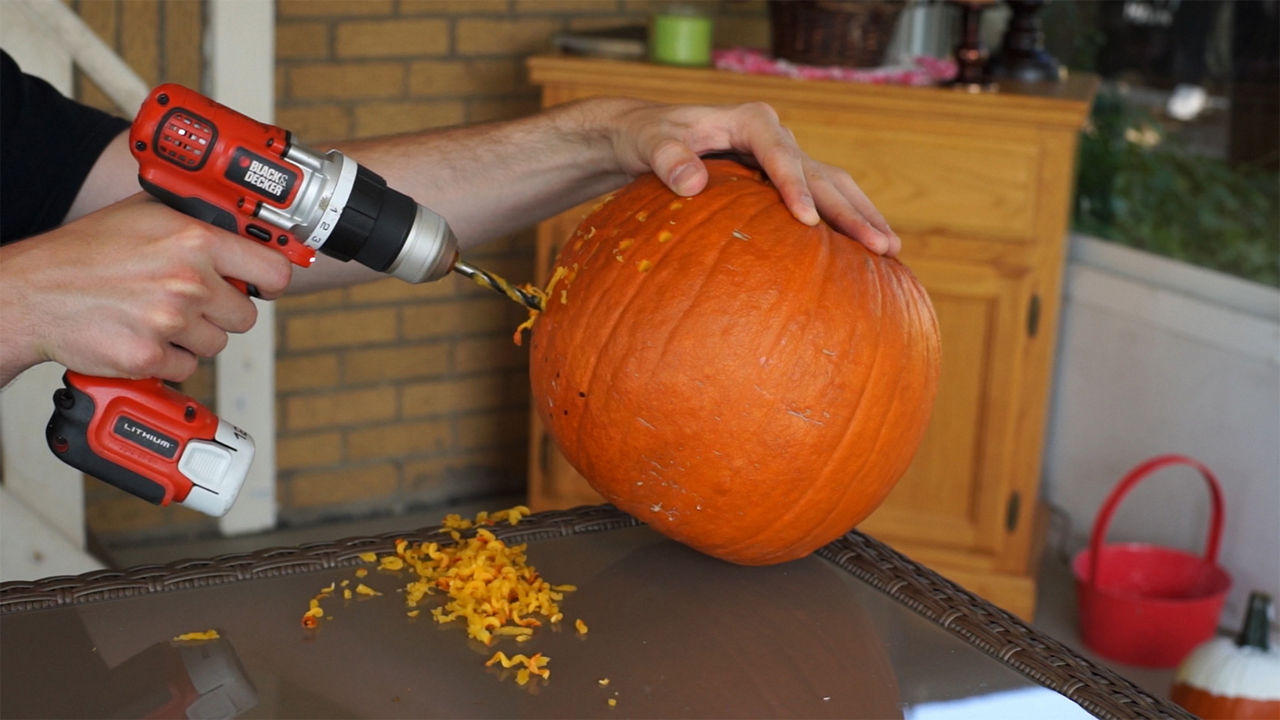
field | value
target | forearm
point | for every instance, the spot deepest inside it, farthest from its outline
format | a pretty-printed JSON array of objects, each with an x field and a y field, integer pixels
[
  {"x": 493, "y": 179},
  {"x": 20, "y": 349}
]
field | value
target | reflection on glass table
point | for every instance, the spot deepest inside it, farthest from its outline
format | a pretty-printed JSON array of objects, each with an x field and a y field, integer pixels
[{"x": 673, "y": 633}]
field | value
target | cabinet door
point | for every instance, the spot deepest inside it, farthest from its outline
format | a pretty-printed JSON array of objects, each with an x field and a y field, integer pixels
[{"x": 951, "y": 505}]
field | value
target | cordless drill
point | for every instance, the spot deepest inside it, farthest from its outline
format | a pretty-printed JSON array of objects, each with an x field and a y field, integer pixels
[{"x": 249, "y": 178}]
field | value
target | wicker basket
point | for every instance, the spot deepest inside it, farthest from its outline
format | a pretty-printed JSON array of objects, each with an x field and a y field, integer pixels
[{"x": 851, "y": 33}]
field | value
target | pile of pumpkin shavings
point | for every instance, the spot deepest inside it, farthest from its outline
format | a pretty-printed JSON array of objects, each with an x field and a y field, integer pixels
[{"x": 487, "y": 585}]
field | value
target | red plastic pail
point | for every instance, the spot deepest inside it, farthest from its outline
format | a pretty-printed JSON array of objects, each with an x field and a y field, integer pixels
[{"x": 1144, "y": 604}]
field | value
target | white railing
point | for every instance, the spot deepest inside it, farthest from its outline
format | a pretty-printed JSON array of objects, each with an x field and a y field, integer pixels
[
  {"x": 93, "y": 56},
  {"x": 42, "y": 501}
]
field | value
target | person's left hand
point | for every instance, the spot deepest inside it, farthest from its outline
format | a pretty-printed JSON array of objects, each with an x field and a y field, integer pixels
[{"x": 669, "y": 140}]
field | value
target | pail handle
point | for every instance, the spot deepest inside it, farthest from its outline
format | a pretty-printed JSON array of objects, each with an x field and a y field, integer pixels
[{"x": 1103, "y": 521}]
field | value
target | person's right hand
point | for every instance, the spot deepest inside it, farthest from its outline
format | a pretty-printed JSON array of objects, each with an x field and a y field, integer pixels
[{"x": 134, "y": 290}]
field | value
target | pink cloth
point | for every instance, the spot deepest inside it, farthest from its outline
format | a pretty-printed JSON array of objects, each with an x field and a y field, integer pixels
[{"x": 923, "y": 70}]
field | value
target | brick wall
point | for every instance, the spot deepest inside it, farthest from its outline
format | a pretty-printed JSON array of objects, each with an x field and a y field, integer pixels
[{"x": 392, "y": 396}]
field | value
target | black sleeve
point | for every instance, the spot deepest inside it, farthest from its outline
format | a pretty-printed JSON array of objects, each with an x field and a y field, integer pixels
[{"x": 48, "y": 144}]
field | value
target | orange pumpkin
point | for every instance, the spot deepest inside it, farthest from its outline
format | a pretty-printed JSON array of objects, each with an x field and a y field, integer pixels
[{"x": 745, "y": 384}]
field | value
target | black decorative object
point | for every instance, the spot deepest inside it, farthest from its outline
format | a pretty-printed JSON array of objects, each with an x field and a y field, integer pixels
[
  {"x": 970, "y": 54},
  {"x": 1021, "y": 56}
]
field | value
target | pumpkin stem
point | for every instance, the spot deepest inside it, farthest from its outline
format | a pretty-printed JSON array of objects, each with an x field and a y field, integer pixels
[{"x": 1257, "y": 622}]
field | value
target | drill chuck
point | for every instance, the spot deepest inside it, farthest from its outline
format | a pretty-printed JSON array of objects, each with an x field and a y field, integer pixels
[
  {"x": 429, "y": 251},
  {"x": 348, "y": 212}
]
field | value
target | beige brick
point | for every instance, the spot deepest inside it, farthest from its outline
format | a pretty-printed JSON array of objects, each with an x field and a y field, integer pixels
[
  {"x": 391, "y": 38},
  {"x": 302, "y": 41},
  {"x": 440, "y": 479},
  {"x": 339, "y": 328},
  {"x": 350, "y": 408},
  {"x": 645, "y": 6},
  {"x": 280, "y": 77},
  {"x": 565, "y": 6},
  {"x": 394, "y": 290},
  {"x": 202, "y": 384},
  {"x": 308, "y": 451},
  {"x": 334, "y": 487},
  {"x": 316, "y": 126},
  {"x": 429, "y": 477},
  {"x": 139, "y": 25},
  {"x": 463, "y": 77},
  {"x": 489, "y": 353},
  {"x": 373, "y": 119},
  {"x": 346, "y": 81},
  {"x": 306, "y": 372},
  {"x": 522, "y": 241},
  {"x": 401, "y": 362},
  {"x": 311, "y": 301},
  {"x": 441, "y": 465},
  {"x": 104, "y": 19},
  {"x": 599, "y": 22},
  {"x": 386, "y": 441},
  {"x": 459, "y": 463},
  {"x": 441, "y": 397},
  {"x": 507, "y": 108},
  {"x": 487, "y": 314},
  {"x": 482, "y": 36},
  {"x": 326, "y": 8},
  {"x": 118, "y": 512},
  {"x": 183, "y": 59},
  {"x": 492, "y": 430},
  {"x": 451, "y": 7}
]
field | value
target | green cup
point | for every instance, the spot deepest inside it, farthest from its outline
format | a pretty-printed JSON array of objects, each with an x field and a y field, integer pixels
[{"x": 680, "y": 38}]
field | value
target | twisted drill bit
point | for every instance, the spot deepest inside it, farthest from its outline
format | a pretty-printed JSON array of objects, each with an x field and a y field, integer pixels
[{"x": 486, "y": 279}]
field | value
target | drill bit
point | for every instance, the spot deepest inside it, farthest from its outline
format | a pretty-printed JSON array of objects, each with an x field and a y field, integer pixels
[{"x": 486, "y": 279}]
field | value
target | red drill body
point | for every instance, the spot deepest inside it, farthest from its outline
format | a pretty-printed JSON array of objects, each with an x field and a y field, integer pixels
[{"x": 215, "y": 164}]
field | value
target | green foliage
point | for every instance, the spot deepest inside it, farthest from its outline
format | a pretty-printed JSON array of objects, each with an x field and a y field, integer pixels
[{"x": 1142, "y": 189}]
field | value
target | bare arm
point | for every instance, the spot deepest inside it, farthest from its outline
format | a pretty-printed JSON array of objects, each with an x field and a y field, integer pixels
[
  {"x": 490, "y": 180},
  {"x": 493, "y": 179},
  {"x": 129, "y": 287}
]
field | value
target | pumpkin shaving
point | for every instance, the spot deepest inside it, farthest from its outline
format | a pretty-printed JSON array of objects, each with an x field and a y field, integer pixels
[
  {"x": 197, "y": 636},
  {"x": 561, "y": 273},
  {"x": 488, "y": 586}
]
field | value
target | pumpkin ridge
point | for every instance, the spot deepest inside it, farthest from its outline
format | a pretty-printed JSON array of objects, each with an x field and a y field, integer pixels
[
  {"x": 720, "y": 202},
  {"x": 661, "y": 198},
  {"x": 710, "y": 269},
  {"x": 696, "y": 295},
  {"x": 871, "y": 454},
  {"x": 823, "y": 259},
  {"x": 853, "y": 417},
  {"x": 784, "y": 517},
  {"x": 763, "y": 223}
]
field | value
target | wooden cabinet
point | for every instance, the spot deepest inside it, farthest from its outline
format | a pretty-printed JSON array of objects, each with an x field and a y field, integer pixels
[{"x": 979, "y": 186}]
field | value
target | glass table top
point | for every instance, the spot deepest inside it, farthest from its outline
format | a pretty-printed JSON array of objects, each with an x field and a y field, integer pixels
[{"x": 671, "y": 633}]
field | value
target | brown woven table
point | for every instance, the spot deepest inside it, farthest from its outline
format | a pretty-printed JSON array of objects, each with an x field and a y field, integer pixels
[{"x": 857, "y": 630}]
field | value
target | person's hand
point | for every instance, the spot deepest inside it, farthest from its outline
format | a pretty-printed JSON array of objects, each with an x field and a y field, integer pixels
[
  {"x": 133, "y": 290},
  {"x": 669, "y": 140}
]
